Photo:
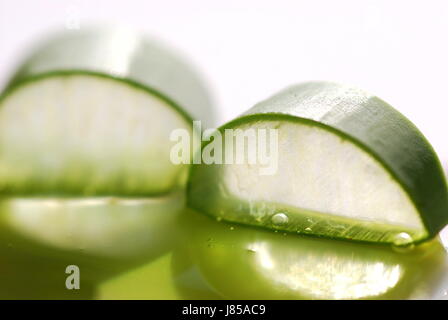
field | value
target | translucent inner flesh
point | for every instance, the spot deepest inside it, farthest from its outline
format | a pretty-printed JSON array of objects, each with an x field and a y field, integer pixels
[
  {"x": 318, "y": 171},
  {"x": 82, "y": 134}
]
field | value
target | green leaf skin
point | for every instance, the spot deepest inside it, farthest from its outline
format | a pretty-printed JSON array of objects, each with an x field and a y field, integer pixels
[
  {"x": 360, "y": 118},
  {"x": 241, "y": 262}
]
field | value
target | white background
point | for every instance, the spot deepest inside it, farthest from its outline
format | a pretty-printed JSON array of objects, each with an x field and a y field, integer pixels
[{"x": 248, "y": 50}]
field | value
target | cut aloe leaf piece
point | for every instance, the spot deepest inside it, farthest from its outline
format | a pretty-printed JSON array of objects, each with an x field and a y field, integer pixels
[
  {"x": 349, "y": 166},
  {"x": 91, "y": 112}
]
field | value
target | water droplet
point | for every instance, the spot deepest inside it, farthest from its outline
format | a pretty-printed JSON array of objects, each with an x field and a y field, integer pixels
[
  {"x": 232, "y": 228},
  {"x": 279, "y": 219},
  {"x": 308, "y": 229},
  {"x": 218, "y": 219},
  {"x": 251, "y": 250},
  {"x": 403, "y": 242}
]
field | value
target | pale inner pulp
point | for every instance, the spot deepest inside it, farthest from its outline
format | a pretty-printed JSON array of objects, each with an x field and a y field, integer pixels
[
  {"x": 322, "y": 172},
  {"x": 87, "y": 135}
]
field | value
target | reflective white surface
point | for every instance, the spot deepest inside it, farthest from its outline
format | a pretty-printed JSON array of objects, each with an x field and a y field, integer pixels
[{"x": 250, "y": 49}]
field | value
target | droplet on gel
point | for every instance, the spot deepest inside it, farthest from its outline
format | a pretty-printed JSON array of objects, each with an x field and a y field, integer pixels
[
  {"x": 279, "y": 219},
  {"x": 403, "y": 242}
]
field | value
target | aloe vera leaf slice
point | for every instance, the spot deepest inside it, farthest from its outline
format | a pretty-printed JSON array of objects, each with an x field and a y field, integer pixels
[
  {"x": 349, "y": 167},
  {"x": 90, "y": 113}
]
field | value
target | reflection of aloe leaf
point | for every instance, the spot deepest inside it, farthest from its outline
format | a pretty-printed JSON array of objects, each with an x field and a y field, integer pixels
[
  {"x": 102, "y": 236},
  {"x": 247, "y": 263}
]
